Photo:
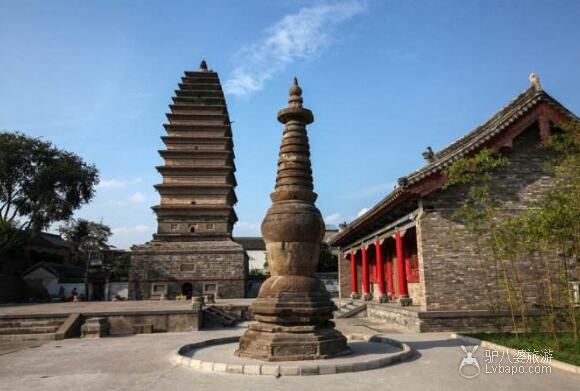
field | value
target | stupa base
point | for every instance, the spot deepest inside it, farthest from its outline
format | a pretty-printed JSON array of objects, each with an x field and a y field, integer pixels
[{"x": 292, "y": 346}]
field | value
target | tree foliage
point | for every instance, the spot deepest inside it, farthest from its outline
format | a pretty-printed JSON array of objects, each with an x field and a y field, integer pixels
[
  {"x": 78, "y": 231},
  {"x": 327, "y": 261},
  {"x": 39, "y": 184}
]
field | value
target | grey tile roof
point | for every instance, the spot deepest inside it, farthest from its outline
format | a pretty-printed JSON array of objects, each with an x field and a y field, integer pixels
[{"x": 469, "y": 143}]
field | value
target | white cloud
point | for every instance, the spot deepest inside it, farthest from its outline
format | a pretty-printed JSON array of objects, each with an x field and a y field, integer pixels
[
  {"x": 379, "y": 189},
  {"x": 117, "y": 183},
  {"x": 136, "y": 228},
  {"x": 111, "y": 184},
  {"x": 137, "y": 198},
  {"x": 362, "y": 212},
  {"x": 334, "y": 218},
  {"x": 125, "y": 237},
  {"x": 295, "y": 36},
  {"x": 244, "y": 228}
]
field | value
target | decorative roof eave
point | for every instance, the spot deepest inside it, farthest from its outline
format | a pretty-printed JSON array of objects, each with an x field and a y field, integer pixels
[
  {"x": 471, "y": 142},
  {"x": 394, "y": 198},
  {"x": 483, "y": 134}
]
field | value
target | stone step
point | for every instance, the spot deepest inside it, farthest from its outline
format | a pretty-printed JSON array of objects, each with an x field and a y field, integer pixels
[
  {"x": 27, "y": 337},
  {"x": 29, "y": 330},
  {"x": 220, "y": 316},
  {"x": 8, "y": 323},
  {"x": 349, "y": 310}
]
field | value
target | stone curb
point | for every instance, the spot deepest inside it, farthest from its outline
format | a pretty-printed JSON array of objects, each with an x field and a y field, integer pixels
[
  {"x": 486, "y": 344},
  {"x": 295, "y": 369}
]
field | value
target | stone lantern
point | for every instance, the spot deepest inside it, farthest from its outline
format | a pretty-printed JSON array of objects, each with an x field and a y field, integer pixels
[{"x": 293, "y": 310}]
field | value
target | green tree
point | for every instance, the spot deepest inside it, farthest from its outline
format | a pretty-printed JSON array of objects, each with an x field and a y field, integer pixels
[
  {"x": 77, "y": 231},
  {"x": 39, "y": 184},
  {"x": 327, "y": 261},
  {"x": 120, "y": 264}
]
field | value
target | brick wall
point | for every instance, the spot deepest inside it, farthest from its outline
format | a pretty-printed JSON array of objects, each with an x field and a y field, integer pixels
[
  {"x": 198, "y": 263},
  {"x": 456, "y": 276}
]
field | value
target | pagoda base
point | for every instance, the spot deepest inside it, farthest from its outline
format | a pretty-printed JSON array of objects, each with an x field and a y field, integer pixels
[{"x": 169, "y": 269}]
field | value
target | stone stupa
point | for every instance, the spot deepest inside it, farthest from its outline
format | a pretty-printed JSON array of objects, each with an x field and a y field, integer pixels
[{"x": 293, "y": 310}]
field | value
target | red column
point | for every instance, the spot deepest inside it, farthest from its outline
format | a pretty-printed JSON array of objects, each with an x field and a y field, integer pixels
[
  {"x": 401, "y": 266},
  {"x": 365, "y": 271},
  {"x": 390, "y": 286},
  {"x": 379, "y": 263},
  {"x": 353, "y": 276}
]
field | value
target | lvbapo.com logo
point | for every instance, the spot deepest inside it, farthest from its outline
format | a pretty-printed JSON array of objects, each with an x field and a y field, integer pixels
[
  {"x": 506, "y": 362},
  {"x": 469, "y": 366}
]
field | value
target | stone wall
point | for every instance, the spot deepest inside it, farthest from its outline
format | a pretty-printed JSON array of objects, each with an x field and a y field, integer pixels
[
  {"x": 344, "y": 276},
  {"x": 399, "y": 316},
  {"x": 168, "y": 321},
  {"x": 416, "y": 292},
  {"x": 415, "y": 320},
  {"x": 456, "y": 275},
  {"x": 160, "y": 268}
]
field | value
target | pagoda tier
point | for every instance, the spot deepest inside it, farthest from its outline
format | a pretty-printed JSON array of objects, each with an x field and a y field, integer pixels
[{"x": 197, "y": 192}]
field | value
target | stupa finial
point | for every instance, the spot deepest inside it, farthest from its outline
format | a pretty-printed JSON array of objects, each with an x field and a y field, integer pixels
[
  {"x": 203, "y": 66},
  {"x": 295, "y": 95}
]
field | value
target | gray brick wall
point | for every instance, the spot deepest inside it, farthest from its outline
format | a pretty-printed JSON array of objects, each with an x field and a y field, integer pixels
[
  {"x": 218, "y": 262},
  {"x": 455, "y": 275}
]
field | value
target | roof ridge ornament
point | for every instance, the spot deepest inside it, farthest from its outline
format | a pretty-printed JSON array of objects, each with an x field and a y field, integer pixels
[
  {"x": 535, "y": 82},
  {"x": 429, "y": 155},
  {"x": 203, "y": 66}
]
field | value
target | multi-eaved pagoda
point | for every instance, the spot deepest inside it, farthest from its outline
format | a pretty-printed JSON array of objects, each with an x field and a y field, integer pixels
[{"x": 193, "y": 252}]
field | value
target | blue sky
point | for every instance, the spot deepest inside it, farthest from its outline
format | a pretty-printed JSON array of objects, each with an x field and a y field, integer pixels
[{"x": 383, "y": 78}]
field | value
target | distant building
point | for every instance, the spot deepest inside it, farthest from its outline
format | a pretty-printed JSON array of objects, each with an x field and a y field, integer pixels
[
  {"x": 255, "y": 250},
  {"x": 49, "y": 247},
  {"x": 58, "y": 280}
]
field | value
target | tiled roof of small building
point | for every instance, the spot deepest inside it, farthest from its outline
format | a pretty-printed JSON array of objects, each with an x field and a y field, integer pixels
[
  {"x": 469, "y": 143},
  {"x": 64, "y": 272},
  {"x": 45, "y": 239},
  {"x": 251, "y": 243}
]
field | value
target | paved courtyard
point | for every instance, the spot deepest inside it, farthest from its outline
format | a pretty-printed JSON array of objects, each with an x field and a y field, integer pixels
[{"x": 142, "y": 362}]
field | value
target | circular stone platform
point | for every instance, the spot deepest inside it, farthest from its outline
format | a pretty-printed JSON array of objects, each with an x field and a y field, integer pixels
[{"x": 217, "y": 355}]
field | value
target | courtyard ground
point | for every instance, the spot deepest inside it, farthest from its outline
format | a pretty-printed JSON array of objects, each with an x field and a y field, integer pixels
[{"x": 142, "y": 362}]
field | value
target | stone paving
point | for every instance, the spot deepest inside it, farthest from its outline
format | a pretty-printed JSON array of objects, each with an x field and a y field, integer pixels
[{"x": 143, "y": 362}]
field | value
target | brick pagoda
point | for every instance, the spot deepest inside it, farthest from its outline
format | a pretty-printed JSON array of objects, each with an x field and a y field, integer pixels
[{"x": 193, "y": 252}]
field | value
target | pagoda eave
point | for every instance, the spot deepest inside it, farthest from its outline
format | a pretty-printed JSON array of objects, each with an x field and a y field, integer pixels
[
  {"x": 200, "y": 170},
  {"x": 197, "y": 153}
]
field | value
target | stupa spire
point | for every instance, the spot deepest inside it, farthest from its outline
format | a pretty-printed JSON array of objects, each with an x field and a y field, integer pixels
[
  {"x": 293, "y": 309},
  {"x": 294, "y": 177}
]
